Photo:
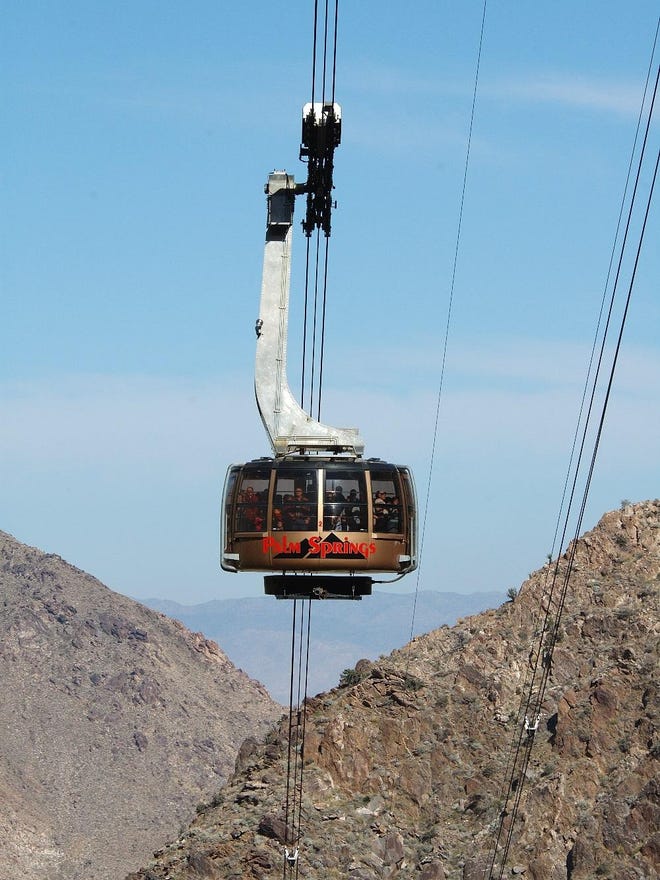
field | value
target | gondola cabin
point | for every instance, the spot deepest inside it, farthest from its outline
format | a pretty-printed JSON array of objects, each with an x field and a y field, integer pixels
[{"x": 322, "y": 516}]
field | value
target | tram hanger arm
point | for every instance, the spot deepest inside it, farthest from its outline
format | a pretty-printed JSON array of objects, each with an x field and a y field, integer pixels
[{"x": 288, "y": 426}]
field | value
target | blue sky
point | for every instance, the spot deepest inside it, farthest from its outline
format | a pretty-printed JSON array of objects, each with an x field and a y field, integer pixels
[{"x": 138, "y": 137}]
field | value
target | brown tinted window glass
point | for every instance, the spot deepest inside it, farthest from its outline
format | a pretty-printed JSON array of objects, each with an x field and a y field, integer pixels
[
  {"x": 252, "y": 500},
  {"x": 345, "y": 500},
  {"x": 386, "y": 501},
  {"x": 295, "y": 500}
]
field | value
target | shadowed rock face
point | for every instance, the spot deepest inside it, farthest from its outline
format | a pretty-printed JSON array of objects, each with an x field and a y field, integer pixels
[
  {"x": 116, "y": 722},
  {"x": 405, "y": 770}
]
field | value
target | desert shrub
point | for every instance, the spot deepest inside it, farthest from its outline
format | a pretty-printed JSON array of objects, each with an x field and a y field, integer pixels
[{"x": 349, "y": 677}]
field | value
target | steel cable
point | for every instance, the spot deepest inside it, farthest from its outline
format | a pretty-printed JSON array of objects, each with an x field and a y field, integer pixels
[
  {"x": 448, "y": 322},
  {"x": 314, "y": 353},
  {"x": 299, "y": 678},
  {"x": 550, "y": 630}
]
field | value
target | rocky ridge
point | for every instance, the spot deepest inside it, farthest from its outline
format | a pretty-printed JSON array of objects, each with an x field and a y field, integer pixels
[
  {"x": 406, "y": 765},
  {"x": 116, "y": 722}
]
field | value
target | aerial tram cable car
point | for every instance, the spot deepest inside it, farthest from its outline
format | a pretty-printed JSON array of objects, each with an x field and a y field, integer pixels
[{"x": 316, "y": 515}]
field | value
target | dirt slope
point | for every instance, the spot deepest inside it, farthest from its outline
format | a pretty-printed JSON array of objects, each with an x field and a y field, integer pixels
[{"x": 116, "y": 722}]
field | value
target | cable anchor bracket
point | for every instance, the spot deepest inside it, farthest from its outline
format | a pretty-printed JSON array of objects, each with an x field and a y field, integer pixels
[
  {"x": 291, "y": 855},
  {"x": 531, "y": 728}
]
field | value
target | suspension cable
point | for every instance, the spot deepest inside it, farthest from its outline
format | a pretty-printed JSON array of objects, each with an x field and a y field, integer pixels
[
  {"x": 334, "y": 53},
  {"x": 550, "y": 629},
  {"x": 448, "y": 322},
  {"x": 314, "y": 40},
  {"x": 304, "y": 718},
  {"x": 327, "y": 239},
  {"x": 304, "y": 334},
  {"x": 314, "y": 322},
  {"x": 604, "y": 296},
  {"x": 299, "y": 678},
  {"x": 323, "y": 313},
  {"x": 540, "y": 626},
  {"x": 288, "y": 836},
  {"x": 300, "y": 632},
  {"x": 314, "y": 351},
  {"x": 325, "y": 51},
  {"x": 319, "y": 341},
  {"x": 296, "y": 785}
]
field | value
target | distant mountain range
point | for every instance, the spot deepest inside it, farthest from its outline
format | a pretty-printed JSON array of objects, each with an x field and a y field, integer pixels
[{"x": 256, "y": 632}]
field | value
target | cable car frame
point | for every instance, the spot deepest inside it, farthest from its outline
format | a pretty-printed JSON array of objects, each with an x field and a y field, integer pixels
[{"x": 320, "y": 516}]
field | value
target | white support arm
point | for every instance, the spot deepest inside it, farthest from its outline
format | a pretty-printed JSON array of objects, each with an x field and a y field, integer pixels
[{"x": 288, "y": 426}]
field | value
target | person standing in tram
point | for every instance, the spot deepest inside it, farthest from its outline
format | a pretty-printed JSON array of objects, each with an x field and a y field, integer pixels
[
  {"x": 298, "y": 513},
  {"x": 252, "y": 513}
]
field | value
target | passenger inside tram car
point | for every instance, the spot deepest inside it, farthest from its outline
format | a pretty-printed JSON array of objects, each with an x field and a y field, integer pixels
[
  {"x": 298, "y": 511},
  {"x": 381, "y": 513},
  {"x": 342, "y": 510},
  {"x": 252, "y": 503},
  {"x": 386, "y": 507},
  {"x": 251, "y": 511},
  {"x": 333, "y": 508},
  {"x": 394, "y": 519}
]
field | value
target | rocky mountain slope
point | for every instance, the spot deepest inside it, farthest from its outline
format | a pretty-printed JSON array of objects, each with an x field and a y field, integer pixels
[
  {"x": 406, "y": 766},
  {"x": 115, "y": 722},
  {"x": 256, "y": 632}
]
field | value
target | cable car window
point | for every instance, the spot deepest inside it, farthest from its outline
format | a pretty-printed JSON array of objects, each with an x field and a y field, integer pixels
[
  {"x": 252, "y": 500},
  {"x": 295, "y": 501},
  {"x": 386, "y": 500},
  {"x": 345, "y": 500},
  {"x": 408, "y": 491},
  {"x": 230, "y": 487}
]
